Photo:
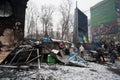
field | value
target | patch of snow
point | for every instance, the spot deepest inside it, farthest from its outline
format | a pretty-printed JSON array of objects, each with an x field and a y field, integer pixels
[
  {"x": 62, "y": 72},
  {"x": 94, "y": 72}
]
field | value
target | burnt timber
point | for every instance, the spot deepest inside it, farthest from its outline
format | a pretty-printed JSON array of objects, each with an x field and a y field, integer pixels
[{"x": 12, "y": 18}]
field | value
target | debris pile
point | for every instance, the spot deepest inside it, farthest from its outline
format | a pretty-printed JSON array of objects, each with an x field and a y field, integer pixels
[
  {"x": 44, "y": 50},
  {"x": 41, "y": 60}
]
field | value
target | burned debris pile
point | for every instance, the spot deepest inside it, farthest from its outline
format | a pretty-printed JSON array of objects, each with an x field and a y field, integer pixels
[
  {"x": 30, "y": 52},
  {"x": 37, "y": 60}
]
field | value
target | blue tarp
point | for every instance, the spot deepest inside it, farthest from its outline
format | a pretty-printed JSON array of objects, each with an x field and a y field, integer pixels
[
  {"x": 75, "y": 58},
  {"x": 47, "y": 39}
]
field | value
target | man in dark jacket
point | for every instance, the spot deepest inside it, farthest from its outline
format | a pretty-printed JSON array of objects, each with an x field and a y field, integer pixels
[
  {"x": 99, "y": 55},
  {"x": 113, "y": 56}
]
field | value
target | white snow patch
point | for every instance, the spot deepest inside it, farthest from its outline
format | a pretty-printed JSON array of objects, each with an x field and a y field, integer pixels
[{"x": 94, "y": 72}]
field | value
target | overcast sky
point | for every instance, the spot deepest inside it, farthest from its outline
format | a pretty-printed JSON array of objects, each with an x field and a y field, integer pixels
[{"x": 83, "y": 5}]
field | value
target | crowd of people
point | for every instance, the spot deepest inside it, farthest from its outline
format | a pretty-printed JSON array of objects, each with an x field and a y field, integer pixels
[
  {"x": 104, "y": 49},
  {"x": 111, "y": 48}
]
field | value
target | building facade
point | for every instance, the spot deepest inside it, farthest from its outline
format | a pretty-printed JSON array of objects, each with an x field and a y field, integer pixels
[
  {"x": 80, "y": 30},
  {"x": 105, "y": 20}
]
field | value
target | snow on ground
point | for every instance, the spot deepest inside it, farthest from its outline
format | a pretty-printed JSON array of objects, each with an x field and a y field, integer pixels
[
  {"x": 62, "y": 72},
  {"x": 94, "y": 72}
]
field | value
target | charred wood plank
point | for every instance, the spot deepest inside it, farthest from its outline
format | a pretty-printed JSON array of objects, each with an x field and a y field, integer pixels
[{"x": 15, "y": 55}]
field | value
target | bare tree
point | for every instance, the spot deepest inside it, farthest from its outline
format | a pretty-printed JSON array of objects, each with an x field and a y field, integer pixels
[
  {"x": 65, "y": 10},
  {"x": 51, "y": 33},
  {"x": 30, "y": 20},
  {"x": 57, "y": 35},
  {"x": 46, "y": 18}
]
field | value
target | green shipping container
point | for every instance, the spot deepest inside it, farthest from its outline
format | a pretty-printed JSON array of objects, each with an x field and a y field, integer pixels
[{"x": 51, "y": 59}]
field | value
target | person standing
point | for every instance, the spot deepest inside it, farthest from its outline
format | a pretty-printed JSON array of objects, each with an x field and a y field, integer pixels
[
  {"x": 113, "y": 56},
  {"x": 99, "y": 55},
  {"x": 81, "y": 51}
]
